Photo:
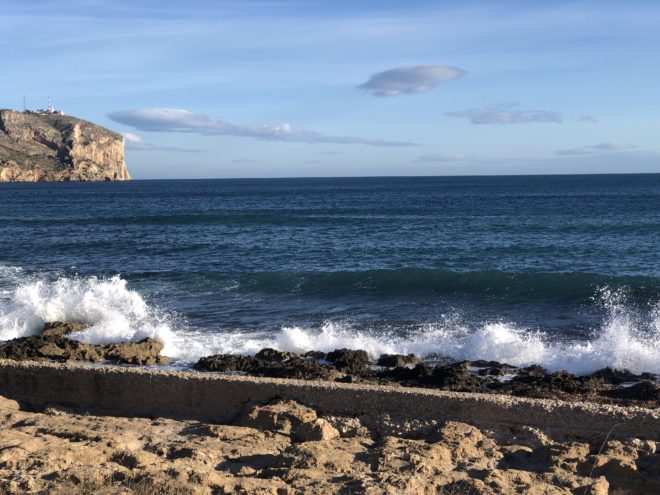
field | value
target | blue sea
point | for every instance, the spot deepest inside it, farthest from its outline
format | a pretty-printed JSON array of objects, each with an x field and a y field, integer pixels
[{"x": 562, "y": 271}]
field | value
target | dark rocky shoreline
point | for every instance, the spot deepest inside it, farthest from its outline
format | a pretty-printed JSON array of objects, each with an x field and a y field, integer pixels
[
  {"x": 345, "y": 365},
  {"x": 54, "y": 345}
]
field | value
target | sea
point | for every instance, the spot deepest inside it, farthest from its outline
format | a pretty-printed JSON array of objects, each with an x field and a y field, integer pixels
[{"x": 560, "y": 271}]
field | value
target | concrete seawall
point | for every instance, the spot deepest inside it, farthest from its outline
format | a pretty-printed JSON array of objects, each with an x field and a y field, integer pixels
[{"x": 146, "y": 392}]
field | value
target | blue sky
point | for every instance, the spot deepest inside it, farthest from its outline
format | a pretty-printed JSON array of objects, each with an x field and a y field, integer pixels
[{"x": 313, "y": 88}]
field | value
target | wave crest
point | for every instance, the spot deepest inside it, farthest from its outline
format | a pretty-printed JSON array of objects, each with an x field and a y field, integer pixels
[
  {"x": 628, "y": 338},
  {"x": 113, "y": 312},
  {"x": 573, "y": 286}
]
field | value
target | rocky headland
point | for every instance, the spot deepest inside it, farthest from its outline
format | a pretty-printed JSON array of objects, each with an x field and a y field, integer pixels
[{"x": 42, "y": 146}]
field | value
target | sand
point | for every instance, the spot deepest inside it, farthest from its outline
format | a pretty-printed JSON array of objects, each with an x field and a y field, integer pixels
[{"x": 312, "y": 445}]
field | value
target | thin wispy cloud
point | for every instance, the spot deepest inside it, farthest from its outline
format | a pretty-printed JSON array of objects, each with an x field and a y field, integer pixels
[
  {"x": 443, "y": 157},
  {"x": 136, "y": 143},
  {"x": 506, "y": 114},
  {"x": 410, "y": 80},
  {"x": 597, "y": 149},
  {"x": 244, "y": 160},
  {"x": 584, "y": 118},
  {"x": 184, "y": 121}
]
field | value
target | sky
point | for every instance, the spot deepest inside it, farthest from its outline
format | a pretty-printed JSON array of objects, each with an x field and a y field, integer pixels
[{"x": 224, "y": 89}]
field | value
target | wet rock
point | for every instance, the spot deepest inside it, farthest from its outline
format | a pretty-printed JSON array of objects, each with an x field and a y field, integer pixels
[
  {"x": 449, "y": 377},
  {"x": 318, "y": 355},
  {"x": 298, "y": 368},
  {"x": 646, "y": 390},
  {"x": 613, "y": 377},
  {"x": 274, "y": 355},
  {"x": 496, "y": 369},
  {"x": 352, "y": 366},
  {"x": 534, "y": 381},
  {"x": 455, "y": 377},
  {"x": 48, "y": 348},
  {"x": 225, "y": 363},
  {"x": 61, "y": 328},
  {"x": 54, "y": 346},
  {"x": 270, "y": 363},
  {"x": 407, "y": 376},
  {"x": 145, "y": 352},
  {"x": 396, "y": 360},
  {"x": 533, "y": 371},
  {"x": 561, "y": 380},
  {"x": 350, "y": 361},
  {"x": 480, "y": 363}
]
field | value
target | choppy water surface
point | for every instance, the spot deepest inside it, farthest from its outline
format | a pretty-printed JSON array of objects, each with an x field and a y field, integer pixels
[{"x": 563, "y": 271}]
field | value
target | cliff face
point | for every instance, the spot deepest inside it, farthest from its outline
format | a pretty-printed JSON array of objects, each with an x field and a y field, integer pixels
[{"x": 50, "y": 147}]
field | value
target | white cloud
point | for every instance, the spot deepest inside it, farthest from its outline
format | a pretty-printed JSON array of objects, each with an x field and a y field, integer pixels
[
  {"x": 132, "y": 139},
  {"x": 136, "y": 143},
  {"x": 410, "y": 80},
  {"x": 507, "y": 113},
  {"x": 443, "y": 157},
  {"x": 608, "y": 147},
  {"x": 179, "y": 120}
]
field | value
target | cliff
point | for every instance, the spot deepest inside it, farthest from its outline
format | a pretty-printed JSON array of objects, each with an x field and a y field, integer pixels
[{"x": 51, "y": 147}]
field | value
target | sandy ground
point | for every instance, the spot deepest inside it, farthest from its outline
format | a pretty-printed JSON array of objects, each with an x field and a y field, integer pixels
[{"x": 285, "y": 448}]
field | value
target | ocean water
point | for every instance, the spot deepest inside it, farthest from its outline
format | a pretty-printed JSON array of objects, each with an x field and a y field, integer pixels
[{"x": 562, "y": 271}]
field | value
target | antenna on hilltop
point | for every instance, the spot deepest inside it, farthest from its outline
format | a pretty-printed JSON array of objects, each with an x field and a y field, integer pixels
[
  {"x": 49, "y": 111},
  {"x": 24, "y": 103}
]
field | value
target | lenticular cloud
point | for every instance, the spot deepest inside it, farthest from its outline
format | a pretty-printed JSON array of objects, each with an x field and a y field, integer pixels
[{"x": 410, "y": 80}]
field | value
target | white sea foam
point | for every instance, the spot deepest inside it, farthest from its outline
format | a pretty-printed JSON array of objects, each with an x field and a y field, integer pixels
[
  {"x": 117, "y": 313},
  {"x": 113, "y": 312},
  {"x": 496, "y": 341},
  {"x": 617, "y": 344}
]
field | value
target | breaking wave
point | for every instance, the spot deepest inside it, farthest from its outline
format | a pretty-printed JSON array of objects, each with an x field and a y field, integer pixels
[
  {"x": 627, "y": 338},
  {"x": 114, "y": 312},
  {"x": 619, "y": 343}
]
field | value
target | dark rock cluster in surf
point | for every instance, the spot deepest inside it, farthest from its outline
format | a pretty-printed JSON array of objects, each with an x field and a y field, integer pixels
[
  {"x": 346, "y": 365},
  {"x": 54, "y": 345},
  {"x": 354, "y": 366}
]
